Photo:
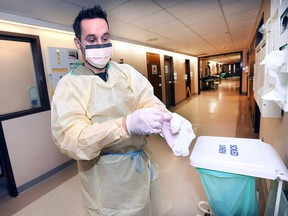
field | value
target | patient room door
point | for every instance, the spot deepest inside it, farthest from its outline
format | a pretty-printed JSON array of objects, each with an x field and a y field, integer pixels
[
  {"x": 154, "y": 73},
  {"x": 169, "y": 81},
  {"x": 188, "y": 78}
]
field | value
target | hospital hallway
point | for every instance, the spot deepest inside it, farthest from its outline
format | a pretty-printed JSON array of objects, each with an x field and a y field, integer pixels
[{"x": 215, "y": 112}]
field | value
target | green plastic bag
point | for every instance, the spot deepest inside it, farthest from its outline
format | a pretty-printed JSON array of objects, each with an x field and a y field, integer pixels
[{"x": 230, "y": 194}]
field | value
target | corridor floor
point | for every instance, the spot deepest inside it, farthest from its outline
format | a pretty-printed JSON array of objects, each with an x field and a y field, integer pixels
[{"x": 217, "y": 112}]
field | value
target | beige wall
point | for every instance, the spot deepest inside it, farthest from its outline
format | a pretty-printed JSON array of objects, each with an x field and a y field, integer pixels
[
  {"x": 30, "y": 146},
  {"x": 135, "y": 55},
  {"x": 274, "y": 131}
]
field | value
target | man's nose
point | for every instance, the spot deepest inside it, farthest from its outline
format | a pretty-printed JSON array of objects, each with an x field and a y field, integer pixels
[{"x": 99, "y": 41}]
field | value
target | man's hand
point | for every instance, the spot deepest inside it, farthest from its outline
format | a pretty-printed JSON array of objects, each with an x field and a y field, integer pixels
[
  {"x": 178, "y": 133},
  {"x": 144, "y": 121}
]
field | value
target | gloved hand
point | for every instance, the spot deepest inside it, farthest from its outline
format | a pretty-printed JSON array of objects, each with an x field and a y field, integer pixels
[
  {"x": 145, "y": 121},
  {"x": 179, "y": 134},
  {"x": 184, "y": 139},
  {"x": 166, "y": 130}
]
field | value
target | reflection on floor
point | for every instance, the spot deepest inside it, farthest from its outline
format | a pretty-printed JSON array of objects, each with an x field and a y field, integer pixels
[{"x": 217, "y": 112}]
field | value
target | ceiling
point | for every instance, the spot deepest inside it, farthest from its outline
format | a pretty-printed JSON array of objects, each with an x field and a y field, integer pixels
[{"x": 193, "y": 27}]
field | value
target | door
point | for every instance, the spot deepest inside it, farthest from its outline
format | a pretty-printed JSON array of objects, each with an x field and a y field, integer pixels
[
  {"x": 188, "y": 78},
  {"x": 154, "y": 73},
  {"x": 169, "y": 81}
]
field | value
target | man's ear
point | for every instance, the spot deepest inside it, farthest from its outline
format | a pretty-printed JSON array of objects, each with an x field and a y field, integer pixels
[{"x": 77, "y": 44}]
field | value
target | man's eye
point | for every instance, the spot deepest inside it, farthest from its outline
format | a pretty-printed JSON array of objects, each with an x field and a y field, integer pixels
[
  {"x": 91, "y": 39},
  {"x": 105, "y": 39}
]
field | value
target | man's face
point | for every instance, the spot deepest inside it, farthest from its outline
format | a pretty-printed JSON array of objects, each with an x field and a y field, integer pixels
[{"x": 93, "y": 31}]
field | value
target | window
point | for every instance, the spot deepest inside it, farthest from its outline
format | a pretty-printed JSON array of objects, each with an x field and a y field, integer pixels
[{"x": 23, "y": 88}]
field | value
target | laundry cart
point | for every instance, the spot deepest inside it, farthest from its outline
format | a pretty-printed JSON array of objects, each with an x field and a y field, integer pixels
[{"x": 228, "y": 167}]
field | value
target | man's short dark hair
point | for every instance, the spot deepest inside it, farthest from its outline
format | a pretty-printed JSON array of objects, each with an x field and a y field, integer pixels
[{"x": 90, "y": 13}]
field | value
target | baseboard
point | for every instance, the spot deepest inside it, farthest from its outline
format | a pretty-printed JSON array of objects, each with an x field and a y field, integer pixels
[{"x": 44, "y": 176}]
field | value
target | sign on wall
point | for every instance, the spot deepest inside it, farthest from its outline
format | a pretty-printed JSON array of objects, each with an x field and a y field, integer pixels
[{"x": 62, "y": 60}]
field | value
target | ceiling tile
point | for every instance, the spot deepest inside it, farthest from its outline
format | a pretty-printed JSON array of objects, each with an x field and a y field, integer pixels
[
  {"x": 168, "y": 3},
  {"x": 247, "y": 14},
  {"x": 31, "y": 8},
  {"x": 81, "y": 3},
  {"x": 216, "y": 26},
  {"x": 153, "y": 20},
  {"x": 206, "y": 16},
  {"x": 225, "y": 2},
  {"x": 128, "y": 31},
  {"x": 64, "y": 13},
  {"x": 105, "y": 4},
  {"x": 133, "y": 10},
  {"x": 167, "y": 27},
  {"x": 242, "y": 25},
  {"x": 179, "y": 34},
  {"x": 188, "y": 8},
  {"x": 241, "y": 6}
]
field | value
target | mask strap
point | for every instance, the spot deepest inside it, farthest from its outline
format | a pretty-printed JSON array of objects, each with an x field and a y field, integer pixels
[
  {"x": 80, "y": 48},
  {"x": 79, "y": 42}
]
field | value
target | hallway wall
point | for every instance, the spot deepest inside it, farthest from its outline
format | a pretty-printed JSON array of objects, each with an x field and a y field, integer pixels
[
  {"x": 132, "y": 54},
  {"x": 135, "y": 55},
  {"x": 274, "y": 130}
]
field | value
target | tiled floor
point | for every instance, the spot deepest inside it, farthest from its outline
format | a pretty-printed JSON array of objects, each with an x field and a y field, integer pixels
[{"x": 218, "y": 112}]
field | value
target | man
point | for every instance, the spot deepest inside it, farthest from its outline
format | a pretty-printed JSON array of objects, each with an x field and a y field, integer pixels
[{"x": 101, "y": 113}]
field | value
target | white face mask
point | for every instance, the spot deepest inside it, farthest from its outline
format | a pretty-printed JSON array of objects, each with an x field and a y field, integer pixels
[{"x": 98, "y": 55}]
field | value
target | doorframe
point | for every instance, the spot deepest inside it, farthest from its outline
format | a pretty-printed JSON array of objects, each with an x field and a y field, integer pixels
[
  {"x": 188, "y": 76},
  {"x": 151, "y": 77},
  {"x": 241, "y": 68},
  {"x": 171, "y": 82},
  {"x": 6, "y": 165}
]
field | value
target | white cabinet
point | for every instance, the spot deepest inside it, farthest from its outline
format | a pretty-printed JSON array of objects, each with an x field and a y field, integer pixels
[
  {"x": 268, "y": 108},
  {"x": 271, "y": 78}
]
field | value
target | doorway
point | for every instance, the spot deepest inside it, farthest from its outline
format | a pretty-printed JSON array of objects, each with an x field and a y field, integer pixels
[
  {"x": 223, "y": 66},
  {"x": 154, "y": 73},
  {"x": 188, "y": 78},
  {"x": 169, "y": 81}
]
